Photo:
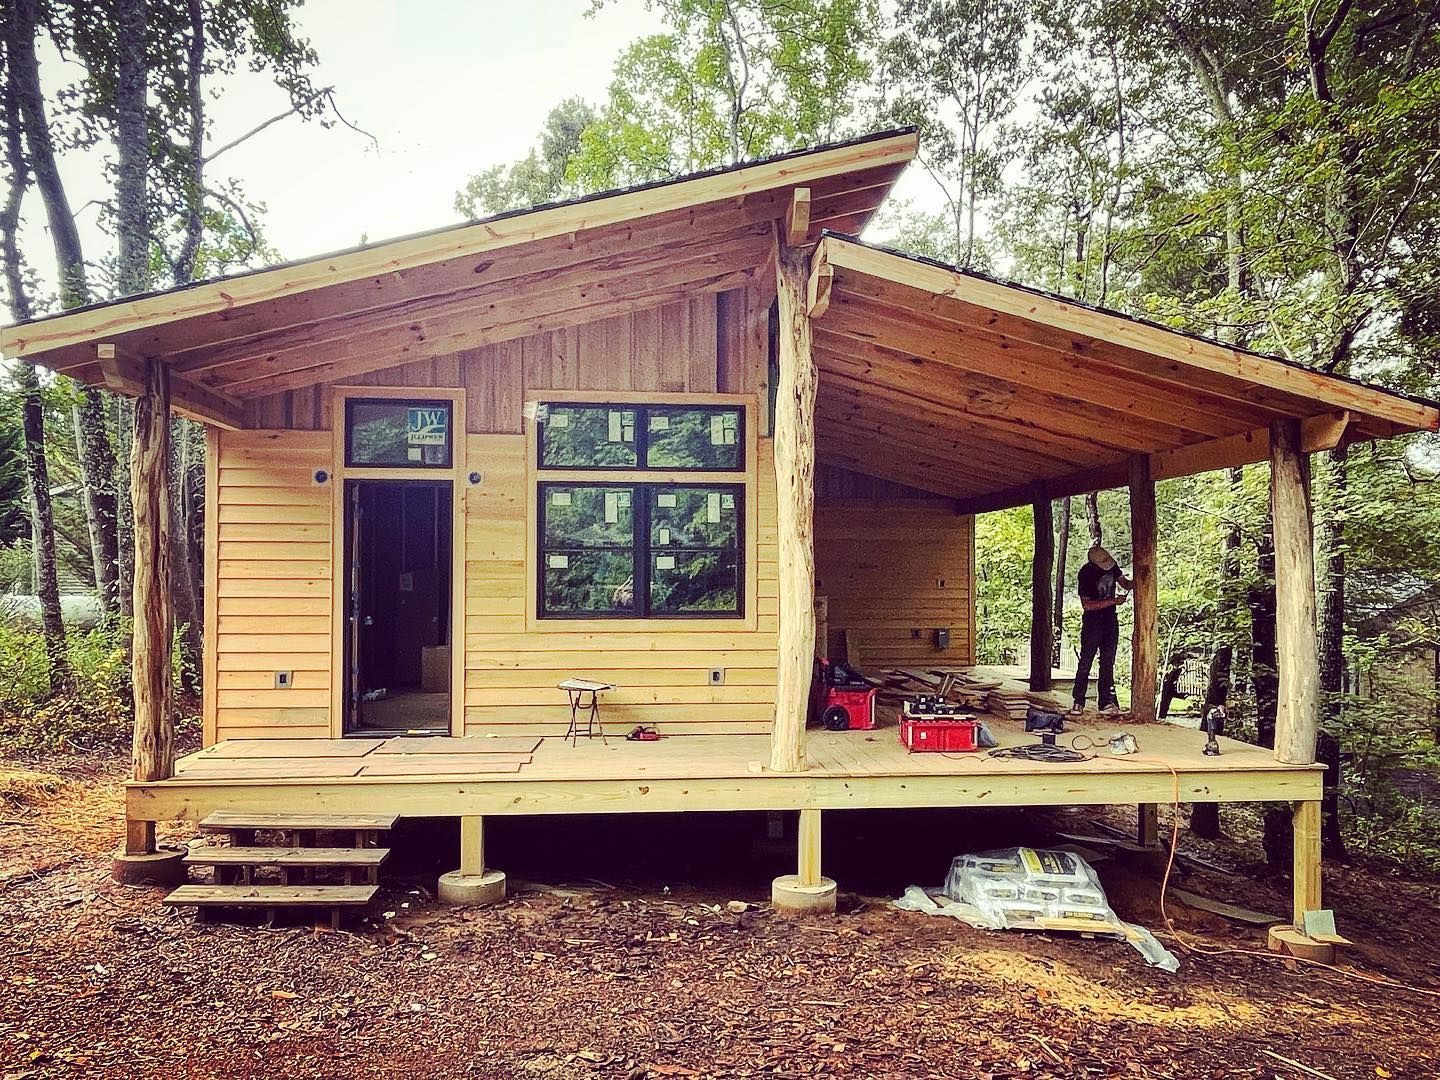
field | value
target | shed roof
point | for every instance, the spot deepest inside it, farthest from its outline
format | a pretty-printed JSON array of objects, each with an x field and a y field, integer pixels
[
  {"x": 381, "y": 305},
  {"x": 998, "y": 394}
]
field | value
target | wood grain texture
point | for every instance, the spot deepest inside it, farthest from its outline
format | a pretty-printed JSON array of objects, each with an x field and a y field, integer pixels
[
  {"x": 1145, "y": 637},
  {"x": 153, "y": 740},
  {"x": 1297, "y": 721}
]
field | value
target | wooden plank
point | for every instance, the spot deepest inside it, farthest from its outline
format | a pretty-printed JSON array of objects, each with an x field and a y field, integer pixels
[
  {"x": 224, "y": 820},
  {"x": 808, "y": 848},
  {"x": 1297, "y": 721},
  {"x": 210, "y": 596},
  {"x": 797, "y": 217},
  {"x": 1305, "y": 869},
  {"x": 436, "y": 765},
  {"x": 291, "y": 748},
  {"x": 472, "y": 845},
  {"x": 268, "y": 768},
  {"x": 286, "y": 856},
  {"x": 266, "y": 896},
  {"x": 474, "y": 745},
  {"x": 127, "y": 375}
]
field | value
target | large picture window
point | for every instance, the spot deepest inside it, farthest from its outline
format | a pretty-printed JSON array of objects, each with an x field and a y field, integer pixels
[
  {"x": 641, "y": 550},
  {"x": 697, "y": 438}
]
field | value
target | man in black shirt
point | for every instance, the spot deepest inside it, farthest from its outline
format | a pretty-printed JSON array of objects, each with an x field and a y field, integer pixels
[{"x": 1099, "y": 627}]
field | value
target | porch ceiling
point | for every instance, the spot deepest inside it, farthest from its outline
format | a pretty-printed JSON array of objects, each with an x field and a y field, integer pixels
[
  {"x": 505, "y": 277},
  {"x": 998, "y": 395}
]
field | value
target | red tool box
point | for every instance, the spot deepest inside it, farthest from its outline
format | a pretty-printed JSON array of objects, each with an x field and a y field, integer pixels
[
  {"x": 929, "y": 724},
  {"x": 846, "y": 702}
]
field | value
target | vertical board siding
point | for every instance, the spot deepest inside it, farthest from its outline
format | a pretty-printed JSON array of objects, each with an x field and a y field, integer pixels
[
  {"x": 889, "y": 571},
  {"x": 661, "y": 671},
  {"x": 271, "y": 563},
  {"x": 709, "y": 343}
]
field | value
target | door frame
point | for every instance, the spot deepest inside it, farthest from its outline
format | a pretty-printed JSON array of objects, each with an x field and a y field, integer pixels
[{"x": 456, "y": 473}]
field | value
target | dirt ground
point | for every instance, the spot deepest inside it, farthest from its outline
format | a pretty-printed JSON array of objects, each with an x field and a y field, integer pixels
[{"x": 637, "y": 975}]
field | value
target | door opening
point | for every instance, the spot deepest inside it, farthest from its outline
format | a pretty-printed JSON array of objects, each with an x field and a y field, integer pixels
[{"x": 397, "y": 625}]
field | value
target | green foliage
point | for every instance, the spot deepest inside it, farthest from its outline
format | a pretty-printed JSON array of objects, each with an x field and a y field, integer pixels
[
  {"x": 541, "y": 176},
  {"x": 95, "y": 714},
  {"x": 1003, "y": 545}
]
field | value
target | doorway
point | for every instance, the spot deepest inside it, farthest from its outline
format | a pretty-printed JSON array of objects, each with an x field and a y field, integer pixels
[{"x": 398, "y": 596}]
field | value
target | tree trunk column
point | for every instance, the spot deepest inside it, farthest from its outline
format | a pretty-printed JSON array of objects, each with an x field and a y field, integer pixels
[
  {"x": 1298, "y": 658},
  {"x": 795, "y": 483},
  {"x": 153, "y": 745},
  {"x": 1145, "y": 641},
  {"x": 1042, "y": 618}
]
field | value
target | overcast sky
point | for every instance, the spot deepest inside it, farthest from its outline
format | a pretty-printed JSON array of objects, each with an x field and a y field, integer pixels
[{"x": 447, "y": 87}]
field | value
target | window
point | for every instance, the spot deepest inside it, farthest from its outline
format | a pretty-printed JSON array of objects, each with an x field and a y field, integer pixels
[
  {"x": 698, "y": 438},
  {"x": 641, "y": 550},
  {"x": 397, "y": 432}
]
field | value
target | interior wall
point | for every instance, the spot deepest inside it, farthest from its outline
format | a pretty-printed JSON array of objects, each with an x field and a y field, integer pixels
[{"x": 895, "y": 565}]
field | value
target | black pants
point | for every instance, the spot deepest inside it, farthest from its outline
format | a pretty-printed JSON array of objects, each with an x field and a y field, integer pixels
[{"x": 1098, "y": 635}]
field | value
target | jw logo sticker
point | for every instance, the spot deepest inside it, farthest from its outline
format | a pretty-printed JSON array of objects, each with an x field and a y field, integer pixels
[{"x": 428, "y": 427}]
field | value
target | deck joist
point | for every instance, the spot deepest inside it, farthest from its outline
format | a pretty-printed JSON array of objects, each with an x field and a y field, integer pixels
[{"x": 845, "y": 770}]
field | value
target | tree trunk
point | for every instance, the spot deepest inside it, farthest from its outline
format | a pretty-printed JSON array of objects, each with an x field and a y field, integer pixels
[
  {"x": 1092, "y": 519},
  {"x": 1331, "y": 541},
  {"x": 153, "y": 743},
  {"x": 97, "y": 473},
  {"x": 1062, "y": 553},
  {"x": 42, "y": 530},
  {"x": 186, "y": 578},
  {"x": 1169, "y": 684},
  {"x": 125, "y": 510},
  {"x": 1144, "y": 599},
  {"x": 1042, "y": 571},
  {"x": 132, "y": 147}
]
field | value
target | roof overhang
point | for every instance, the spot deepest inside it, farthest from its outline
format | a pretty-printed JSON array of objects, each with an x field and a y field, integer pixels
[
  {"x": 340, "y": 316},
  {"x": 999, "y": 395}
]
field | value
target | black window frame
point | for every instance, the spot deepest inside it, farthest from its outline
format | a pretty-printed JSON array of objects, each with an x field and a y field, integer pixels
[
  {"x": 642, "y": 550},
  {"x": 642, "y": 436},
  {"x": 447, "y": 404}
]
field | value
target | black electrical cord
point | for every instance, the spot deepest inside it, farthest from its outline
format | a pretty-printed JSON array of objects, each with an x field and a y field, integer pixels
[{"x": 1048, "y": 753}]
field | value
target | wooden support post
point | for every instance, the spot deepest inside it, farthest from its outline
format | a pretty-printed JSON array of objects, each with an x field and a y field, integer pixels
[
  {"x": 1148, "y": 833},
  {"x": 1297, "y": 720},
  {"x": 795, "y": 483},
  {"x": 139, "y": 837},
  {"x": 808, "y": 844},
  {"x": 1145, "y": 640},
  {"x": 472, "y": 845},
  {"x": 153, "y": 743},
  {"x": 1042, "y": 585},
  {"x": 1305, "y": 875}
]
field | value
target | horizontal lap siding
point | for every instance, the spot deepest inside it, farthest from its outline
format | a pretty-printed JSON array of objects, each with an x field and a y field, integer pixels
[
  {"x": 273, "y": 585},
  {"x": 888, "y": 571},
  {"x": 662, "y": 673}
]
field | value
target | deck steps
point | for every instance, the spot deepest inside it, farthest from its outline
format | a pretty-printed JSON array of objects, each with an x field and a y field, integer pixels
[{"x": 297, "y": 856}]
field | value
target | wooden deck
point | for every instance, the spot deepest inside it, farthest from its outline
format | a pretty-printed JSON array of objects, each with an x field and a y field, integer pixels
[{"x": 425, "y": 777}]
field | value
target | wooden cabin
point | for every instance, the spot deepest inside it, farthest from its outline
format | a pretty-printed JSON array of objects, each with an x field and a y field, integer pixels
[{"x": 629, "y": 439}]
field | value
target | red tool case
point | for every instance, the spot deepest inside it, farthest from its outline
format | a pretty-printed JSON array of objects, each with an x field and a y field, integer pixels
[
  {"x": 844, "y": 700},
  {"x": 930, "y": 724}
]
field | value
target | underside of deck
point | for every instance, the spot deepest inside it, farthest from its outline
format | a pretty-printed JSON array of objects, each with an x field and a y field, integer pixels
[{"x": 444, "y": 777}]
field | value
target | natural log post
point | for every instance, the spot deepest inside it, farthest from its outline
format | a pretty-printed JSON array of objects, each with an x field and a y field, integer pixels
[
  {"x": 1145, "y": 640},
  {"x": 1297, "y": 718},
  {"x": 1042, "y": 619},
  {"x": 153, "y": 744},
  {"x": 795, "y": 490}
]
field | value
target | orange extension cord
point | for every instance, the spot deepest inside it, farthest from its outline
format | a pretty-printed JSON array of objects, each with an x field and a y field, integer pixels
[{"x": 1211, "y": 950}]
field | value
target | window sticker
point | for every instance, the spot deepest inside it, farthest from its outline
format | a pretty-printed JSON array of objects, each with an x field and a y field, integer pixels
[
  {"x": 663, "y": 537},
  {"x": 712, "y": 508},
  {"x": 659, "y": 423},
  {"x": 727, "y": 502},
  {"x": 559, "y": 498},
  {"x": 414, "y": 453},
  {"x": 616, "y": 426},
  {"x": 560, "y": 418},
  {"x": 665, "y": 499},
  {"x": 612, "y": 507},
  {"x": 717, "y": 430},
  {"x": 664, "y": 562},
  {"x": 558, "y": 562}
]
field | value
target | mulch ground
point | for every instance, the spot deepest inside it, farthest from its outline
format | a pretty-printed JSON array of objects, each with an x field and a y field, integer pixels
[{"x": 636, "y": 976}]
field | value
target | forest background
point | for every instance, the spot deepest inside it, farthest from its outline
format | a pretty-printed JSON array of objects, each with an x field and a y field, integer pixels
[{"x": 1267, "y": 174}]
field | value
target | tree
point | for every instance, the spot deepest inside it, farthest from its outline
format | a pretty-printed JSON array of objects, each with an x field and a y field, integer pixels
[{"x": 541, "y": 176}]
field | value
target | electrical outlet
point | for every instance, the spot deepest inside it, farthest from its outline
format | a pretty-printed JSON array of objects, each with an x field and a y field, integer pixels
[
  {"x": 717, "y": 676},
  {"x": 284, "y": 680}
]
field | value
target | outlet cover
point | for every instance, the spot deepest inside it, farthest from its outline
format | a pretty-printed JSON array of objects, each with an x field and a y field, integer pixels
[
  {"x": 284, "y": 680},
  {"x": 717, "y": 676}
]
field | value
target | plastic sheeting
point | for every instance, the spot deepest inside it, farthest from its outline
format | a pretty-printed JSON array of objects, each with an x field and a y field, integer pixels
[{"x": 1032, "y": 889}]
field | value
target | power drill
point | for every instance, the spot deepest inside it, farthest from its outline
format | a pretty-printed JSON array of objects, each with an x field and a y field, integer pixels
[{"x": 1213, "y": 724}]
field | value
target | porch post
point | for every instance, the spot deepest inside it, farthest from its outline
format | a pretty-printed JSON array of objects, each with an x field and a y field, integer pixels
[
  {"x": 1042, "y": 585},
  {"x": 795, "y": 483},
  {"x": 1145, "y": 641},
  {"x": 473, "y": 883},
  {"x": 152, "y": 747},
  {"x": 1297, "y": 720},
  {"x": 153, "y": 744}
]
